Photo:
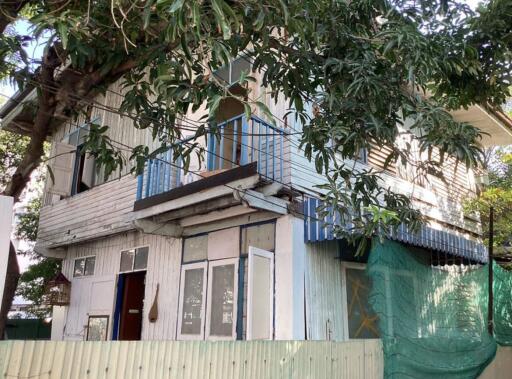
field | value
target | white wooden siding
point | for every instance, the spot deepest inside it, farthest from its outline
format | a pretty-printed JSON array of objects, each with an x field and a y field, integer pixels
[
  {"x": 95, "y": 213},
  {"x": 433, "y": 201},
  {"x": 120, "y": 130},
  {"x": 164, "y": 262},
  {"x": 325, "y": 317},
  {"x": 104, "y": 209}
]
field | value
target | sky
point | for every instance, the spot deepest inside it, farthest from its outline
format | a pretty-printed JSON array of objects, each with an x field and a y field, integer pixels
[{"x": 34, "y": 50}]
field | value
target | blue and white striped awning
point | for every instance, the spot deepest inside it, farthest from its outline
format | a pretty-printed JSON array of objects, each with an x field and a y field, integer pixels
[{"x": 318, "y": 228}]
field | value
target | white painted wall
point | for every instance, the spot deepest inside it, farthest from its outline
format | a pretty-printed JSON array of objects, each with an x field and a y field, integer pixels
[
  {"x": 95, "y": 295},
  {"x": 59, "y": 315},
  {"x": 325, "y": 295},
  {"x": 6, "y": 204},
  {"x": 289, "y": 279}
]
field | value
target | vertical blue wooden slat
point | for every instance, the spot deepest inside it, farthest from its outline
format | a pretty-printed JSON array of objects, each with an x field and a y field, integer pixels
[
  {"x": 168, "y": 170},
  {"x": 330, "y": 225},
  {"x": 148, "y": 178},
  {"x": 221, "y": 148},
  {"x": 259, "y": 148},
  {"x": 266, "y": 152},
  {"x": 211, "y": 152},
  {"x": 118, "y": 306},
  {"x": 281, "y": 162},
  {"x": 161, "y": 180},
  {"x": 152, "y": 177},
  {"x": 252, "y": 140},
  {"x": 313, "y": 222},
  {"x": 140, "y": 183},
  {"x": 235, "y": 142},
  {"x": 178, "y": 172},
  {"x": 165, "y": 172},
  {"x": 156, "y": 176},
  {"x": 273, "y": 153},
  {"x": 243, "y": 142},
  {"x": 306, "y": 220},
  {"x": 321, "y": 229}
]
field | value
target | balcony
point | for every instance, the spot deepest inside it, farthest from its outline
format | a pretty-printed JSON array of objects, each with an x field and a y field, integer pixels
[{"x": 233, "y": 143}]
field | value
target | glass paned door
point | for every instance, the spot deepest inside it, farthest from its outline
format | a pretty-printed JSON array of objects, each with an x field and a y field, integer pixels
[
  {"x": 222, "y": 299},
  {"x": 192, "y": 301}
]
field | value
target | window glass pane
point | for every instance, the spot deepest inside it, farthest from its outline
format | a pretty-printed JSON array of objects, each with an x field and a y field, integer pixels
[
  {"x": 73, "y": 138},
  {"x": 222, "y": 304},
  {"x": 239, "y": 65},
  {"x": 223, "y": 74},
  {"x": 82, "y": 135},
  {"x": 260, "y": 236},
  {"x": 141, "y": 258},
  {"x": 97, "y": 329},
  {"x": 89, "y": 265},
  {"x": 192, "y": 301},
  {"x": 362, "y": 322},
  {"x": 127, "y": 260},
  {"x": 79, "y": 267},
  {"x": 195, "y": 248}
]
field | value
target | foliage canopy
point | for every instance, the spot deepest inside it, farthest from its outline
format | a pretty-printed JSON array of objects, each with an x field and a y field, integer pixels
[{"x": 362, "y": 66}]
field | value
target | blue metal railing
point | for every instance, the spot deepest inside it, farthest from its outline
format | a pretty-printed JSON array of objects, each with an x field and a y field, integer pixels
[
  {"x": 161, "y": 174},
  {"x": 232, "y": 143}
]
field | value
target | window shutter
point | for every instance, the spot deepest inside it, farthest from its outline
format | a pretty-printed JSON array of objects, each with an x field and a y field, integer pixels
[
  {"x": 88, "y": 172},
  {"x": 260, "y": 295},
  {"x": 62, "y": 165}
]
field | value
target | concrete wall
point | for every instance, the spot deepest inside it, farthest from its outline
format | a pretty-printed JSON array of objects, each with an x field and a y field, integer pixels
[{"x": 501, "y": 366}]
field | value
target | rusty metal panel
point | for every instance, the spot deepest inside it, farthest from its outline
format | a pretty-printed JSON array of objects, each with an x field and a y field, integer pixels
[{"x": 191, "y": 359}]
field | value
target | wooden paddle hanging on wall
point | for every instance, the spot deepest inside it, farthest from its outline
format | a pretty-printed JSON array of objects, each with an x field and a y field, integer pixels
[{"x": 153, "y": 312}]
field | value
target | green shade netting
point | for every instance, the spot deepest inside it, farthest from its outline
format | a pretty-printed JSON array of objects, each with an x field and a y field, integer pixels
[
  {"x": 433, "y": 320},
  {"x": 502, "y": 296}
]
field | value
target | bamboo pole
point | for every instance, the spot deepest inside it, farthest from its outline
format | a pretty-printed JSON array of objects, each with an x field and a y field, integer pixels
[{"x": 490, "y": 310}]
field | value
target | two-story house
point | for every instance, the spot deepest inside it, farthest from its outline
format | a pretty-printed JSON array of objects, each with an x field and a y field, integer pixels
[{"x": 234, "y": 249}]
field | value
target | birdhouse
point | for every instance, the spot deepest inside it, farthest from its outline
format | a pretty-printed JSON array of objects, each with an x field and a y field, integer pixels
[{"x": 58, "y": 291}]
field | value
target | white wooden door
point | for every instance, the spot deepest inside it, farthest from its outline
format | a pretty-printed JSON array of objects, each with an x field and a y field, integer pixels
[
  {"x": 191, "y": 313},
  {"x": 260, "y": 295},
  {"x": 221, "y": 308}
]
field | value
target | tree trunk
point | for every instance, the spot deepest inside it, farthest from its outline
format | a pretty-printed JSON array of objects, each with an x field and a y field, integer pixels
[
  {"x": 57, "y": 98},
  {"x": 40, "y": 129},
  {"x": 29, "y": 163},
  {"x": 11, "y": 282}
]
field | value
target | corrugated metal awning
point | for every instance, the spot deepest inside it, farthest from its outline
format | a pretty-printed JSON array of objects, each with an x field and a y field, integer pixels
[{"x": 318, "y": 228}]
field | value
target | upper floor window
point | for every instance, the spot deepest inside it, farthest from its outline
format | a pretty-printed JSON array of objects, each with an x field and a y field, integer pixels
[
  {"x": 72, "y": 170},
  {"x": 231, "y": 73},
  {"x": 84, "y": 266},
  {"x": 134, "y": 259}
]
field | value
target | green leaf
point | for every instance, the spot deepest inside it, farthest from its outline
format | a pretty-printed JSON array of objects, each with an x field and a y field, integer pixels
[
  {"x": 176, "y": 5},
  {"x": 62, "y": 27},
  {"x": 247, "y": 111}
]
